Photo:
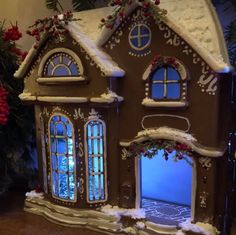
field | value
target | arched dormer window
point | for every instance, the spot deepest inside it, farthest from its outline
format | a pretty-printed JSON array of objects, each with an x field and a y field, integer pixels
[
  {"x": 60, "y": 65},
  {"x": 166, "y": 83},
  {"x": 95, "y": 137},
  {"x": 62, "y": 158}
]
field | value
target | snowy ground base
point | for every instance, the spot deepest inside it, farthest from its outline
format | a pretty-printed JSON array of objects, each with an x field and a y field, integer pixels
[{"x": 108, "y": 219}]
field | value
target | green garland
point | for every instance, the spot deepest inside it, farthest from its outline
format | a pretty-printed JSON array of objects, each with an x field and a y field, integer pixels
[{"x": 150, "y": 148}]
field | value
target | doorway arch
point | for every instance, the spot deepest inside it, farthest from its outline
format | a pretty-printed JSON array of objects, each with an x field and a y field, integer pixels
[{"x": 138, "y": 176}]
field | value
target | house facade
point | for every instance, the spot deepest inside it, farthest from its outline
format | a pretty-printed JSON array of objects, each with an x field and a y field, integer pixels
[{"x": 106, "y": 98}]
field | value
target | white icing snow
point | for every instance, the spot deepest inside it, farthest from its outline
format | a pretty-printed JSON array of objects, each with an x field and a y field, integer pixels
[
  {"x": 33, "y": 194},
  {"x": 140, "y": 225},
  {"x": 202, "y": 228},
  {"x": 153, "y": 103},
  {"x": 175, "y": 135},
  {"x": 108, "y": 97},
  {"x": 103, "y": 60},
  {"x": 130, "y": 230},
  {"x": 118, "y": 212},
  {"x": 26, "y": 96}
]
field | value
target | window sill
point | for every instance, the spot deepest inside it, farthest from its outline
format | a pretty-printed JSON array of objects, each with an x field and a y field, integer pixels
[
  {"x": 168, "y": 104},
  {"x": 60, "y": 80}
]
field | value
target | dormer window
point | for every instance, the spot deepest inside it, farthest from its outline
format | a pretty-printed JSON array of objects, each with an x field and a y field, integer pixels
[
  {"x": 60, "y": 65},
  {"x": 166, "y": 83}
]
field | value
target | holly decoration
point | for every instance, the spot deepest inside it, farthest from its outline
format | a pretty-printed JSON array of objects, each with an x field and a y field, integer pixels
[
  {"x": 4, "y": 107},
  {"x": 172, "y": 149},
  {"x": 54, "y": 26},
  {"x": 160, "y": 61},
  {"x": 119, "y": 11}
]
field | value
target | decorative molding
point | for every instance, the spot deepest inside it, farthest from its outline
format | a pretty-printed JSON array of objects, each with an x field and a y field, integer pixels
[
  {"x": 206, "y": 162},
  {"x": 208, "y": 83},
  {"x": 166, "y": 115},
  {"x": 78, "y": 114},
  {"x": 125, "y": 154},
  {"x": 203, "y": 199}
]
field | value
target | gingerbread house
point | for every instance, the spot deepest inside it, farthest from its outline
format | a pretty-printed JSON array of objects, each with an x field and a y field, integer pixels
[{"x": 132, "y": 120}]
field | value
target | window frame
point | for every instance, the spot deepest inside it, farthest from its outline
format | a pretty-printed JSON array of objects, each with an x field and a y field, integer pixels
[
  {"x": 164, "y": 62},
  {"x": 51, "y": 160},
  {"x": 131, "y": 37},
  {"x": 63, "y": 79},
  {"x": 96, "y": 119}
]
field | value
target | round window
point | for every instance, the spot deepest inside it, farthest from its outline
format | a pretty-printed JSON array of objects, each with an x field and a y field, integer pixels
[{"x": 140, "y": 37}]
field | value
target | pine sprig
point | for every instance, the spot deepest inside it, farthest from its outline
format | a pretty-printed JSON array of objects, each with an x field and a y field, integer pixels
[
  {"x": 119, "y": 11},
  {"x": 172, "y": 149}
]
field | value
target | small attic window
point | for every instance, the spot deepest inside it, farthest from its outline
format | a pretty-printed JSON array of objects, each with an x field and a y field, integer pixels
[
  {"x": 166, "y": 83},
  {"x": 60, "y": 65},
  {"x": 140, "y": 37}
]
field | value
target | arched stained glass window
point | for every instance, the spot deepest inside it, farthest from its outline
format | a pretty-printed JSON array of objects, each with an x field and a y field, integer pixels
[
  {"x": 166, "y": 84},
  {"x": 96, "y": 157},
  {"x": 62, "y": 158},
  {"x": 61, "y": 65}
]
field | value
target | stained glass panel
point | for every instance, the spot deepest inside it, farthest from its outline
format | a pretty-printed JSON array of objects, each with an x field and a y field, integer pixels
[
  {"x": 62, "y": 158},
  {"x": 61, "y": 65},
  {"x": 96, "y": 158}
]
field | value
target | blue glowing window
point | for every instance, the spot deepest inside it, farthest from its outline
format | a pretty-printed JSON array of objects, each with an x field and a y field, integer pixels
[
  {"x": 61, "y": 65},
  {"x": 140, "y": 37},
  {"x": 95, "y": 131},
  {"x": 62, "y": 158},
  {"x": 166, "y": 84}
]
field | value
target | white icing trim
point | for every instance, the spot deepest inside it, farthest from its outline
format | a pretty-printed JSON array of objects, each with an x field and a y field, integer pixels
[
  {"x": 91, "y": 219},
  {"x": 24, "y": 65},
  {"x": 199, "y": 227},
  {"x": 148, "y": 102},
  {"x": 160, "y": 228},
  {"x": 60, "y": 79},
  {"x": 103, "y": 60},
  {"x": 175, "y": 135},
  {"x": 26, "y": 96},
  {"x": 60, "y": 50},
  {"x": 61, "y": 99},
  {"x": 108, "y": 97}
]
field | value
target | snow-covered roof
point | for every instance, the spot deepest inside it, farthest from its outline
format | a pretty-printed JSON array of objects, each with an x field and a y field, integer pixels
[
  {"x": 168, "y": 133},
  {"x": 197, "y": 23},
  {"x": 84, "y": 31}
]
